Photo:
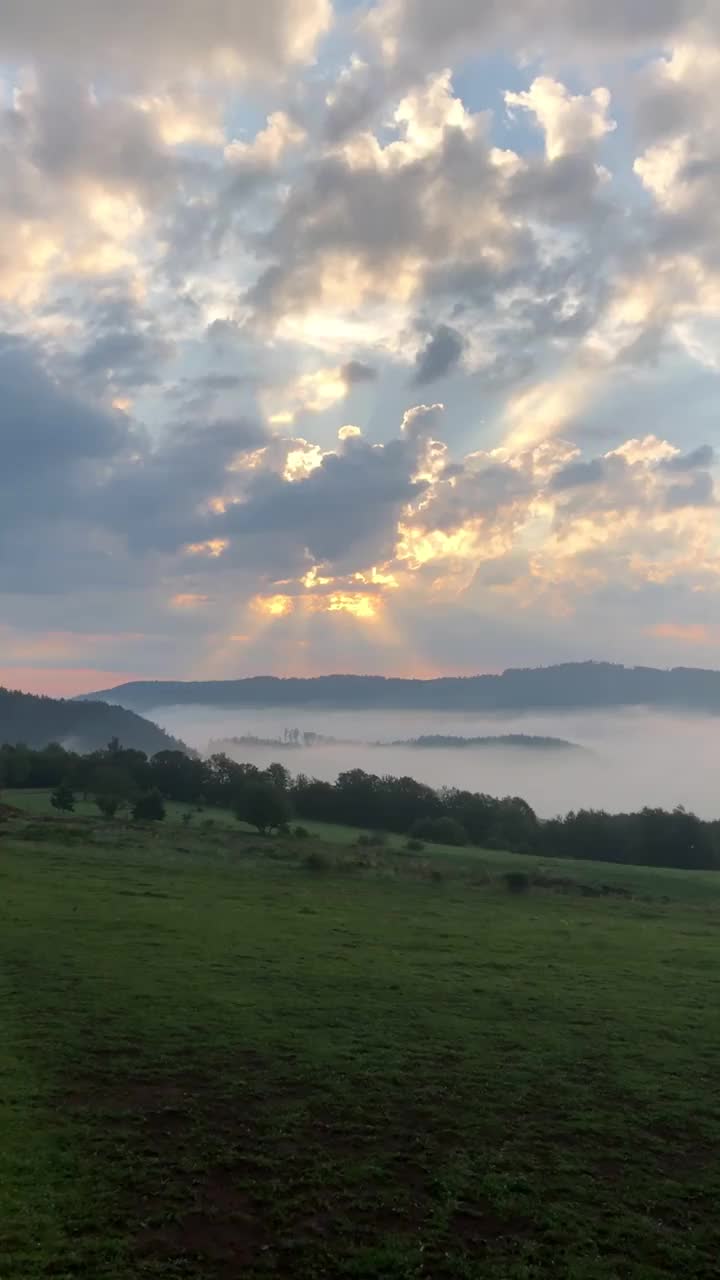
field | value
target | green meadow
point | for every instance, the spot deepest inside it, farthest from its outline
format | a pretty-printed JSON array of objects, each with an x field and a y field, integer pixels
[{"x": 223, "y": 1056}]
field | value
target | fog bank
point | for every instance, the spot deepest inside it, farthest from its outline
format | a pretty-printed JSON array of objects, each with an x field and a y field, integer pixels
[{"x": 632, "y": 759}]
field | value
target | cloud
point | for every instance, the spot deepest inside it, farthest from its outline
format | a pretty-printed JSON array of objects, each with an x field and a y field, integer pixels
[
  {"x": 699, "y": 491},
  {"x": 570, "y": 123},
  {"x": 164, "y": 38},
  {"x": 702, "y": 457},
  {"x": 576, "y": 474},
  {"x": 216, "y": 226},
  {"x": 414, "y": 31},
  {"x": 45, "y": 427},
  {"x": 440, "y": 355},
  {"x": 355, "y": 372},
  {"x": 344, "y": 512}
]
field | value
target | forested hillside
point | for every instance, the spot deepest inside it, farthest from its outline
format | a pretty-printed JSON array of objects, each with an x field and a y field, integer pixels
[
  {"x": 83, "y": 726},
  {"x": 574, "y": 684}
]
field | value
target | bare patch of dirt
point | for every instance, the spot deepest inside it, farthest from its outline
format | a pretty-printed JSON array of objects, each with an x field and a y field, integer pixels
[{"x": 476, "y": 1225}]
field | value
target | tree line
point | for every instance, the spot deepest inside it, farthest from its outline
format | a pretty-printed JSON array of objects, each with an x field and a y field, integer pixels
[{"x": 122, "y": 778}]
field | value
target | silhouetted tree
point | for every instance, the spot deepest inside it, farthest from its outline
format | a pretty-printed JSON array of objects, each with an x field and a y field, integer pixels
[
  {"x": 264, "y": 806},
  {"x": 149, "y": 807},
  {"x": 63, "y": 798}
]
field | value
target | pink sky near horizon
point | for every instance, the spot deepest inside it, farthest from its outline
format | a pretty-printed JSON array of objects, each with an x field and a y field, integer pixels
[{"x": 61, "y": 682}]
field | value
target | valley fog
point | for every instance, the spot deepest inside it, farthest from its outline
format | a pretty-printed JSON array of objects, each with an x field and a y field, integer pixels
[{"x": 633, "y": 758}]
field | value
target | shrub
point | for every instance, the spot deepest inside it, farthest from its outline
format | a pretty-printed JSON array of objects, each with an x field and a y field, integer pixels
[
  {"x": 372, "y": 840},
  {"x": 439, "y": 831},
  {"x": 149, "y": 807},
  {"x": 517, "y": 881},
  {"x": 301, "y": 833},
  {"x": 63, "y": 798},
  {"x": 414, "y": 846},
  {"x": 316, "y": 862},
  {"x": 108, "y": 805},
  {"x": 187, "y": 818}
]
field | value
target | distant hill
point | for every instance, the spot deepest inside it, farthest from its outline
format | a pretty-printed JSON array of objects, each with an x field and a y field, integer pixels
[
  {"x": 515, "y": 741},
  {"x": 572, "y": 685},
  {"x": 80, "y": 726}
]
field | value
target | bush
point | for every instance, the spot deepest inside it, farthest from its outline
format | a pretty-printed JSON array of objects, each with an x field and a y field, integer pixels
[
  {"x": 108, "y": 805},
  {"x": 372, "y": 840},
  {"x": 187, "y": 818},
  {"x": 63, "y": 798},
  {"x": 414, "y": 846},
  {"x": 316, "y": 862},
  {"x": 439, "y": 831},
  {"x": 301, "y": 833},
  {"x": 263, "y": 806},
  {"x": 149, "y": 807},
  {"x": 517, "y": 881}
]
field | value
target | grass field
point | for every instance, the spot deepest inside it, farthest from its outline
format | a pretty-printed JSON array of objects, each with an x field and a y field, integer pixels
[{"x": 217, "y": 1062}]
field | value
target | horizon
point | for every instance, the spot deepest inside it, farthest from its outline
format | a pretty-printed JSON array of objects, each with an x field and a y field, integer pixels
[
  {"x": 379, "y": 336},
  {"x": 51, "y": 684}
]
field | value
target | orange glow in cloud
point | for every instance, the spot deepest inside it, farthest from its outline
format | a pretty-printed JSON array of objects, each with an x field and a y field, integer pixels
[
  {"x": 273, "y": 606},
  {"x": 58, "y": 683},
  {"x": 214, "y": 547},
  {"x": 688, "y": 633},
  {"x": 188, "y": 601},
  {"x": 365, "y": 607}
]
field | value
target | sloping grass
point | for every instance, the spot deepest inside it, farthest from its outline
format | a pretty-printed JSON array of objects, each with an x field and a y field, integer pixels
[
  {"x": 215, "y": 1062},
  {"x": 701, "y": 886}
]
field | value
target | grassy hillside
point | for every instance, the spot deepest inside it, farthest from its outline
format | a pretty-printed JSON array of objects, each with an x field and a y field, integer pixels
[
  {"x": 220, "y": 1059},
  {"x": 81, "y": 726}
]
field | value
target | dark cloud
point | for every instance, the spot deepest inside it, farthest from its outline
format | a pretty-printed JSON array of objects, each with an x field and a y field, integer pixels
[
  {"x": 355, "y": 372},
  {"x": 565, "y": 190},
  {"x": 156, "y": 501},
  {"x": 476, "y": 492},
  {"x": 444, "y": 209},
  {"x": 702, "y": 457},
  {"x": 69, "y": 134},
  {"x": 344, "y": 513},
  {"x": 577, "y": 474},
  {"x": 44, "y": 425},
  {"x": 698, "y": 491},
  {"x": 440, "y": 356},
  {"x": 128, "y": 359}
]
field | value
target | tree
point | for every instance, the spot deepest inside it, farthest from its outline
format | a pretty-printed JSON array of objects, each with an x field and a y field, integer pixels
[
  {"x": 264, "y": 806},
  {"x": 107, "y": 804},
  {"x": 113, "y": 787},
  {"x": 63, "y": 798},
  {"x": 149, "y": 807},
  {"x": 279, "y": 776}
]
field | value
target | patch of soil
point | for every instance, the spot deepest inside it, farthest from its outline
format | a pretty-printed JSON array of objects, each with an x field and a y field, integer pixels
[{"x": 475, "y": 1225}]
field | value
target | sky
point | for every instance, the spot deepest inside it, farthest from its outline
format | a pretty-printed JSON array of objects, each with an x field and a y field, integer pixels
[{"x": 378, "y": 337}]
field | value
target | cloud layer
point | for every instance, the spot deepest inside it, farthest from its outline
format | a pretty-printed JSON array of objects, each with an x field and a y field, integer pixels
[{"x": 245, "y": 254}]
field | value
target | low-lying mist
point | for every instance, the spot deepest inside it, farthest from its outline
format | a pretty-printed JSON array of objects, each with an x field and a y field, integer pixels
[{"x": 631, "y": 758}]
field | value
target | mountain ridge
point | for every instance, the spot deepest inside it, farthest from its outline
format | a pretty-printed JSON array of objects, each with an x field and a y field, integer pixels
[{"x": 575, "y": 685}]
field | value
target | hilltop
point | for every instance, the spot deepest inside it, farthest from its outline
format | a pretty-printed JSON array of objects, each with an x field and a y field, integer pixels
[
  {"x": 595, "y": 685},
  {"x": 82, "y": 726}
]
